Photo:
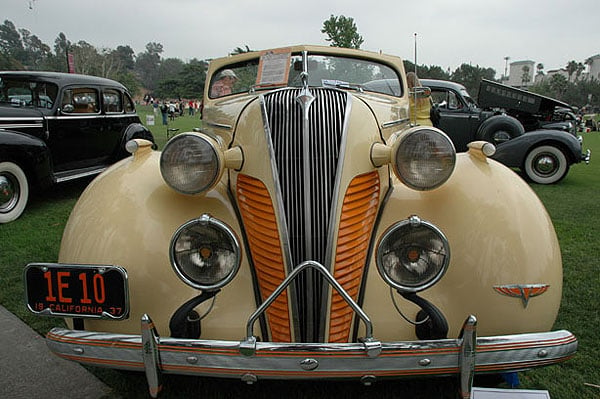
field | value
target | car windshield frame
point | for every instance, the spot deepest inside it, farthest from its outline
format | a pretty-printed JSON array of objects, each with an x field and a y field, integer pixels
[{"x": 324, "y": 70}]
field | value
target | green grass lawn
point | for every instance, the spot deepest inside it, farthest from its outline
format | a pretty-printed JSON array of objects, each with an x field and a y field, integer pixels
[{"x": 573, "y": 205}]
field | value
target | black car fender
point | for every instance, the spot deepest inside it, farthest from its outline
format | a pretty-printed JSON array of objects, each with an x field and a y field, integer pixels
[
  {"x": 30, "y": 153},
  {"x": 134, "y": 131},
  {"x": 513, "y": 152}
]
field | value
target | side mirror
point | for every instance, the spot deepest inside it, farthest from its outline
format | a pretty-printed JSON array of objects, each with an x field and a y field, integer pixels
[{"x": 420, "y": 92}]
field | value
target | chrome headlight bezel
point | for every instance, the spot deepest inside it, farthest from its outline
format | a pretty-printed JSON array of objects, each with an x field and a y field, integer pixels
[
  {"x": 205, "y": 228},
  {"x": 191, "y": 163},
  {"x": 397, "y": 242},
  {"x": 423, "y": 157}
]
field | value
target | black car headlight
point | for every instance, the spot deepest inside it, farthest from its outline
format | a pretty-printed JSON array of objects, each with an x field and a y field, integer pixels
[
  {"x": 191, "y": 163},
  {"x": 412, "y": 255},
  {"x": 205, "y": 253},
  {"x": 423, "y": 158}
]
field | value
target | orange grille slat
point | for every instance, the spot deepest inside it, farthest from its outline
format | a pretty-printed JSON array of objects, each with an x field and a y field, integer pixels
[
  {"x": 359, "y": 211},
  {"x": 259, "y": 220}
]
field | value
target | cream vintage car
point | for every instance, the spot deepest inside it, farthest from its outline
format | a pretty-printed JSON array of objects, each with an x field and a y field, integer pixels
[{"x": 307, "y": 231}]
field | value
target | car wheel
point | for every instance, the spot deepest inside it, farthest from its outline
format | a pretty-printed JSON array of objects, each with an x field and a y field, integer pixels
[
  {"x": 500, "y": 128},
  {"x": 546, "y": 164},
  {"x": 14, "y": 191}
]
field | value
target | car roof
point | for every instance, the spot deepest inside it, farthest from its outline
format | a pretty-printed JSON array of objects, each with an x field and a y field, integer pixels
[
  {"x": 61, "y": 79},
  {"x": 442, "y": 83}
]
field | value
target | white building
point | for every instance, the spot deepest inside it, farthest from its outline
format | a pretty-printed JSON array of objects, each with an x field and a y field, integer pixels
[
  {"x": 594, "y": 67},
  {"x": 521, "y": 74}
]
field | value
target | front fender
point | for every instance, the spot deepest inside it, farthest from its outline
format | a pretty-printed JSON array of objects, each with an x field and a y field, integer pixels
[
  {"x": 499, "y": 234},
  {"x": 126, "y": 217},
  {"x": 512, "y": 153},
  {"x": 29, "y": 152}
]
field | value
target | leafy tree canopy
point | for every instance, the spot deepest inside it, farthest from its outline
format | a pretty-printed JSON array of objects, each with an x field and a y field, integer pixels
[{"x": 341, "y": 31}]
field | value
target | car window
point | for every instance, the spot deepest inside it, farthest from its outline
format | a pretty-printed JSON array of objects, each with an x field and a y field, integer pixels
[
  {"x": 80, "y": 100},
  {"x": 446, "y": 99},
  {"x": 112, "y": 101},
  {"x": 129, "y": 106},
  {"x": 22, "y": 92}
]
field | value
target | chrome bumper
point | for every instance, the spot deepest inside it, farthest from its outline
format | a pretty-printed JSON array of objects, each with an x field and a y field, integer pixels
[
  {"x": 251, "y": 360},
  {"x": 587, "y": 156}
]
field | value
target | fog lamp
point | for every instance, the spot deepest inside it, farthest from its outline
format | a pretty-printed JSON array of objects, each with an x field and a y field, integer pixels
[
  {"x": 205, "y": 253},
  {"x": 412, "y": 255}
]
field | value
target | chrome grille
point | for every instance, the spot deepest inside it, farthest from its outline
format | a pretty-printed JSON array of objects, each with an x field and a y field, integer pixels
[{"x": 308, "y": 241}]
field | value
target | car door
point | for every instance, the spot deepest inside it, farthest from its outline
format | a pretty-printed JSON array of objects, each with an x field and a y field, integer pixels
[
  {"x": 457, "y": 118},
  {"x": 76, "y": 133},
  {"x": 114, "y": 105}
]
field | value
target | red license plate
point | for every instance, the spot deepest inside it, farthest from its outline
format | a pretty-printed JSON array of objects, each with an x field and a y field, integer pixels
[{"x": 90, "y": 291}]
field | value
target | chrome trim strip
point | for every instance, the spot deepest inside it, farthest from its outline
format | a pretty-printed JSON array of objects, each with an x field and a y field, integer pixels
[
  {"x": 219, "y": 125},
  {"x": 284, "y": 360},
  {"x": 333, "y": 217},
  {"x": 279, "y": 209},
  {"x": 386, "y": 125},
  {"x": 76, "y": 117},
  {"x": 21, "y": 126},
  {"x": 80, "y": 175},
  {"x": 22, "y": 118}
]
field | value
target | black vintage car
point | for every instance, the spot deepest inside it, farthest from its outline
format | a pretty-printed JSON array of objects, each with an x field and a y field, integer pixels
[
  {"x": 521, "y": 125},
  {"x": 56, "y": 127}
]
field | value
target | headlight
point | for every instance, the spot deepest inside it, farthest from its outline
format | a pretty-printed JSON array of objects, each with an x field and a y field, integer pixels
[
  {"x": 190, "y": 163},
  {"x": 412, "y": 255},
  {"x": 205, "y": 253},
  {"x": 423, "y": 158}
]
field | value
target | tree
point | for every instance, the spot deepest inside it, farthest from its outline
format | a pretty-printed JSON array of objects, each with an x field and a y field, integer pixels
[
  {"x": 147, "y": 64},
  {"x": 125, "y": 55},
  {"x": 558, "y": 85},
  {"x": 36, "y": 51},
  {"x": 342, "y": 32},
  {"x": 239, "y": 50},
  {"x": 540, "y": 68},
  {"x": 192, "y": 78},
  {"x": 12, "y": 52},
  {"x": 470, "y": 76},
  {"x": 571, "y": 68},
  {"x": 86, "y": 58}
]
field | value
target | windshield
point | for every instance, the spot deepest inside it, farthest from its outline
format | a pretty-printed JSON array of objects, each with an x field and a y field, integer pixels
[
  {"x": 468, "y": 98},
  {"x": 323, "y": 71},
  {"x": 27, "y": 93}
]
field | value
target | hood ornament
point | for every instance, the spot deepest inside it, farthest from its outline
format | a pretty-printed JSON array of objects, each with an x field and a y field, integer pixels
[
  {"x": 523, "y": 291},
  {"x": 305, "y": 98}
]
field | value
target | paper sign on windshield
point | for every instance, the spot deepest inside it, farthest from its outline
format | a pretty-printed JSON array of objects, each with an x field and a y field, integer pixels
[{"x": 274, "y": 68}]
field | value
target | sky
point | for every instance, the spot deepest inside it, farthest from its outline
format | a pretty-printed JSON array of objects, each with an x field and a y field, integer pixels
[{"x": 448, "y": 32}]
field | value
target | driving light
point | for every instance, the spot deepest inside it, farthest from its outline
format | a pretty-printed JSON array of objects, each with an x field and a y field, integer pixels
[
  {"x": 412, "y": 255},
  {"x": 423, "y": 158},
  {"x": 205, "y": 253},
  {"x": 190, "y": 163}
]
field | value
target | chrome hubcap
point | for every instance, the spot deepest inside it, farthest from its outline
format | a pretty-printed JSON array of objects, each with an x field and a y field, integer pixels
[
  {"x": 545, "y": 164},
  {"x": 501, "y": 137},
  {"x": 9, "y": 192}
]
